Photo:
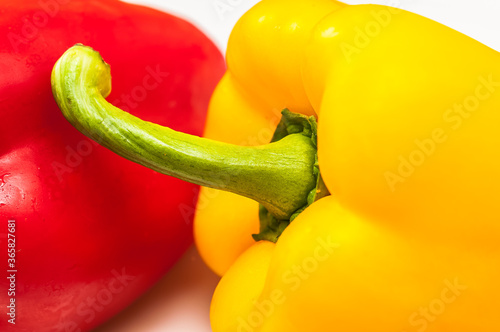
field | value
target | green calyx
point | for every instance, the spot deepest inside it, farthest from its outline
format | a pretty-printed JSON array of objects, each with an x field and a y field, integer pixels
[
  {"x": 280, "y": 175},
  {"x": 271, "y": 227}
]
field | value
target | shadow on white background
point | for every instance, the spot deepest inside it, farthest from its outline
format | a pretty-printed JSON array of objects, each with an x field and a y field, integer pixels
[{"x": 180, "y": 302}]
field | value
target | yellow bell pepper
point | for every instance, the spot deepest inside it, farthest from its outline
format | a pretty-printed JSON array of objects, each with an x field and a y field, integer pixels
[
  {"x": 407, "y": 111},
  {"x": 409, "y": 240}
]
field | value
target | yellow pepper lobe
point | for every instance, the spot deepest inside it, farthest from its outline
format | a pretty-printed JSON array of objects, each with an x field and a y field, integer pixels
[
  {"x": 266, "y": 49},
  {"x": 408, "y": 121},
  {"x": 336, "y": 270},
  {"x": 221, "y": 239},
  {"x": 232, "y": 298}
]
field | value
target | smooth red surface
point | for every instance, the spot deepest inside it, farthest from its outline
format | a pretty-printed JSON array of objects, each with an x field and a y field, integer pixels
[{"x": 94, "y": 230}]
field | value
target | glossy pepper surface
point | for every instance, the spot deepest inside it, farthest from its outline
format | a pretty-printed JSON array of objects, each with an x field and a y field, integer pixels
[
  {"x": 406, "y": 108},
  {"x": 94, "y": 231},
  {"x": 406, "y": 111}
]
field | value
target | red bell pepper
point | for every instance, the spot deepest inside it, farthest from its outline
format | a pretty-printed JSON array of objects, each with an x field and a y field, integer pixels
[{"x": 92, "y": 230}]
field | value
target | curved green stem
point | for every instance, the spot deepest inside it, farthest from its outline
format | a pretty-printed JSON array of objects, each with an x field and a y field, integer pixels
[{"x": 278, "y": 175}]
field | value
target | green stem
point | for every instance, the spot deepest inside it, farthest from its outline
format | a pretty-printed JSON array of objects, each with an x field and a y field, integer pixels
[{"x": 278, "y": 175}]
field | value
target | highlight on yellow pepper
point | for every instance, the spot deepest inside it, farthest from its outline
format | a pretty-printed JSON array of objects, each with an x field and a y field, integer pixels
[{"x": 405, "y": 143}]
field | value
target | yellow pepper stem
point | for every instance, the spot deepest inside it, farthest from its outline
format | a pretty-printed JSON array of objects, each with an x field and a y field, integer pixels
[{"x": 278, "y": 175}]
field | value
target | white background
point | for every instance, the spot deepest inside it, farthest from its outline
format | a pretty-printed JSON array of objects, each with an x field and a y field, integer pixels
[
  {"x": 180, "y": 302},
  {"x": 479, "y": 19}
]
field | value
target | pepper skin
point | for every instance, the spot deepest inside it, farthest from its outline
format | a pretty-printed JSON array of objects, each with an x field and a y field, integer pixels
[
  {"x": 334, "y": 269},
  {"x": 409, "y": 240},
  {"x": 380, "y": 254},
  {"x": 94, "y": 231}
]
